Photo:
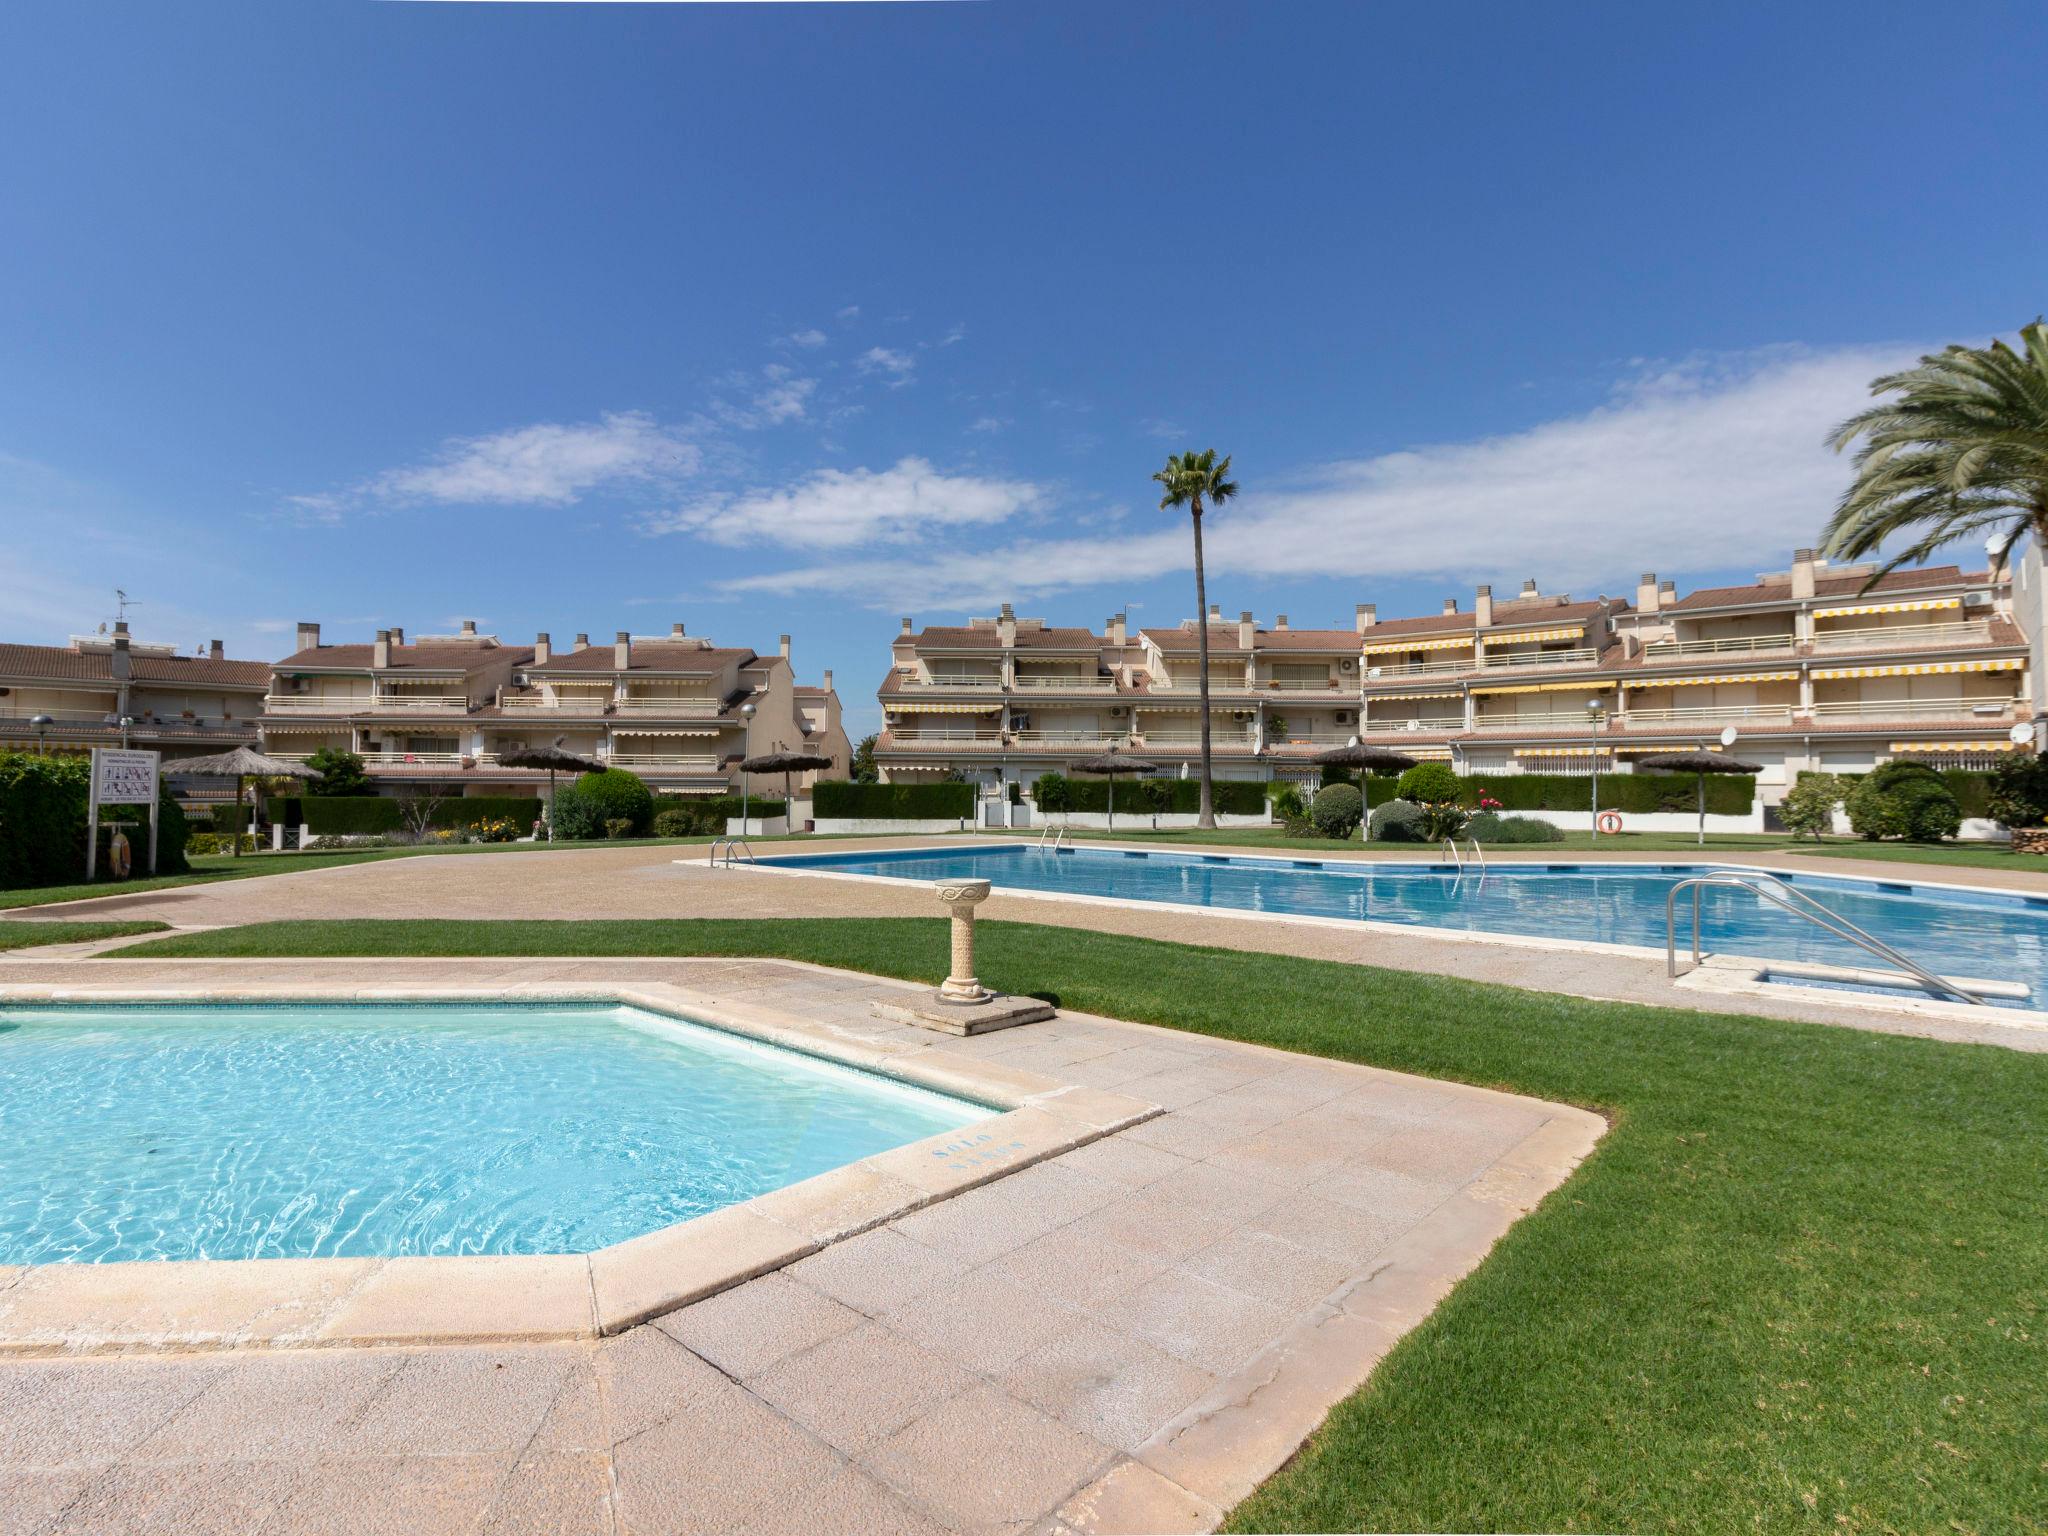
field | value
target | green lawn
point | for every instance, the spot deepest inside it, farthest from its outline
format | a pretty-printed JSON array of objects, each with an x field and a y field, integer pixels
[
  {"x": 27, "y": 935},
  {"x": 1800, "y": 1287}
]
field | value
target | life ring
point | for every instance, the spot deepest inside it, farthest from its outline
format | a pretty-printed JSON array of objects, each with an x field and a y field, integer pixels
[
  {"x": 117, "y": 856},
  {"x": 1610, "y": 821}
]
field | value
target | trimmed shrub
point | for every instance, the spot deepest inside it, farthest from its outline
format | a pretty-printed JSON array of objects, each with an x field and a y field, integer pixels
[
  {"x": 618, "y": 827},
  {"x": 619, "y": 796},
  {"x": 1429, "y": 784},
  {"x": 2018, "y": 792},
  {"x": 202, "y": 843},
  {"x": 897, "y": 802},
  {"x": 1808, "y": 809},
  {"x": 1398, "y": 821},
  {"x": 1492, "y": 827},
  {"x": 349, "y": 817},
  {"x": 229, "y": 820},
  {"x": 1337, "y": 810},
  {"x": 341, "y": 773},
  {"x": 578, "y": 818},
  {"x": 1904, "y": 799},
  {"x": 1232, "y": 797},
  {"x": 1287, "y": 804}
]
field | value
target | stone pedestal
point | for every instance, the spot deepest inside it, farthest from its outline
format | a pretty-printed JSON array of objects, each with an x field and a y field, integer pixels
[
  {"x": 961, "y": 898},
  {"x": 962, "y": 1005}
]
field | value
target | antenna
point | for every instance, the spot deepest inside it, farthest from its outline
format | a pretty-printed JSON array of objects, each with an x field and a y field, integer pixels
[{"x": 122, "y": 603}]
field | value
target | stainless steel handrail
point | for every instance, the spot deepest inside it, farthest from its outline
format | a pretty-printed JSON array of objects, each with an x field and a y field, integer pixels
[
  {"x": 1480, "y": 853},
  {"x": 733, "y": 846},
  {"x": 1813, "y": 911},
  {"x": 1457, "y": 858}
]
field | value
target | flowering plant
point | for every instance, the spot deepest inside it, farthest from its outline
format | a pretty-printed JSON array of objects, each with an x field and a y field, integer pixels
[{"x": 1488, "y": 803}]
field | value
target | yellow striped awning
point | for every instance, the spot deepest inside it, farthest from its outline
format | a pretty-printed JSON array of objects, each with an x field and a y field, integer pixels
[
  {"x": 279, "y": 728},
  {"x": 1719, "y": 677},
  {"x": 1922, "y": 605},
  {"x": 944, "y": 709},
  {"x": 1400, "y": 698},
  {"x": 1920, "y": 669},
  {"x": 1956, "y": 746},
  {"x": 665, "y": 730},
  {"x": 1528, "y": 636},
  {"x": 1389, "y": 647},
  {"x": 1563, "y": 752},
  {"x": 1583, "y": 685},
  {"x": 1428, "y": 754}
]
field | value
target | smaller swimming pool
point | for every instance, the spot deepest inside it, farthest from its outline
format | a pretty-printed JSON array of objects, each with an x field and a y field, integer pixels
[{"x": 315, "y": 1131}]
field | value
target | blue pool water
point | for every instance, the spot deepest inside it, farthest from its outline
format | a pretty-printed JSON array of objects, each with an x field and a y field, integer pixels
[
  {"x": 1960, "y": 933},
  {"x": 300, "y": 1132}
]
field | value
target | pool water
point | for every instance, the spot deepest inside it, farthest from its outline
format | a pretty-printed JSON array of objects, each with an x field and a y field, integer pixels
[
  {"x": 1958, "y": 933},
  {"x": 284, "y": 1131}
]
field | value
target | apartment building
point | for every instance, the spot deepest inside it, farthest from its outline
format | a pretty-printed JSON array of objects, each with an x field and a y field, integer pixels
[
  {"x": 1815, "y": 666},
  {"x": 441, "y": 710},
  {"x": 106, "y": 689}
]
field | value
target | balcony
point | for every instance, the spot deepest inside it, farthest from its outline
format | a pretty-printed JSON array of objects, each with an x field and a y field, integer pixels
[
  {"x": 1734, "y": 645},
  {"x": 315, "y": 703},
  {"x": 1340, "y": 688},
  {"x": 588, "y": 704},
  {"x": 1221, "y": 741},
  {"x": 1420, "y": 723},
  {"x": 1549, "y": 718},
  {"x": 665, "y": 762},
  {"x": 1778, "y": 714},
  {"x": 921, "y": 735},
  {"x": 1915, "y": 709},
  {"x": 680, "y": 706},
  {"x": 1078, "y": 682},
  {"x": 1579, "y": 656},
  {"x": 980, "y": 682},
  {"x": 1070, "y": 738},
  {"x": 1904, "y": 636},
  {"x": 1381, "y": 671}
]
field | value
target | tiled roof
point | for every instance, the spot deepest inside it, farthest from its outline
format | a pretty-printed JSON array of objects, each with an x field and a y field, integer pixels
[
  {"x": 1346, "y": 640},
  {"x": 62, "y": 664},
  {"x": 428, "y": 656},
  {"x": 984, "y": 637},
  {"x": 1178, "y": 641},
  {"x": 1524, "y": 615},
  {"x": 648, "y": 656},
  {"x": 1828, "y": 586}
]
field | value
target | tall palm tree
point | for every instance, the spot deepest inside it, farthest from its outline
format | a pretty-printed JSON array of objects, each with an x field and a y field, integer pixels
[
  {"x": 1190, "y": 479},
  {"x": 1962, "y": 449}
]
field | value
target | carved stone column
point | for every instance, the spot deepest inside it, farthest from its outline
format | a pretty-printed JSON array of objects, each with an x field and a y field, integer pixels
[{"x": 961, "y": 898}]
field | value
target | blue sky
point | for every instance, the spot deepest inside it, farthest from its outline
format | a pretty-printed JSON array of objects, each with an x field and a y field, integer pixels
[{"x": 799, "y": 317}]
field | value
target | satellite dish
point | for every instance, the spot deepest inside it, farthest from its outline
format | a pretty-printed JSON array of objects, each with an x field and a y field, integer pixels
[
  {"x": 2021, "y": 735},
  {"x": 1727, "y": 735}
]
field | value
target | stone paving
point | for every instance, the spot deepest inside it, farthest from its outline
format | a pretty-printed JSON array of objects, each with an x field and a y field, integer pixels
[{"x": 1125, "y": 1337}]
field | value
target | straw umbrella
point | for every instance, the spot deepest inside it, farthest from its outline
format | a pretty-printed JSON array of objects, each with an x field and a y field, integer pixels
[
  {"x": 1700, "y": 764},
  {"x": 1109, "y": 765},
  {"x": 555, "y": 760},
  {"x": 1365, "y": 760},
  {"x": 785, "y": 763},
  {"x": 243, "y": 765}
]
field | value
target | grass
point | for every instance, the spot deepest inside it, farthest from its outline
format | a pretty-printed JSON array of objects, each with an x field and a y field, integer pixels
[
  {"x": 27, "y": 935},
  {"x": 1799, "y": 1287}
]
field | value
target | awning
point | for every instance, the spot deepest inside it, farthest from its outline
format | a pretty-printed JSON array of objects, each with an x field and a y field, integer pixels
[
  {"x": 945, "y": 709},
  {"x": 1389, "y": 647},
  {"x": 1956, "y": 746},
  {"x": 1428, "y": 754},
  {"x": 1720, "y": 677},
  {"x": 665, "y": 730},
  {"x": 1402, "y": 698},
  {"x": 1563, "y": 751},
  {"x": 277, "y": 728},
  {"x": 1583, "y": 685},
  {"x": 1919, "y": 669},
  {"x": 1529, "y": 636},
  {"x": 1921, "y": 606}
]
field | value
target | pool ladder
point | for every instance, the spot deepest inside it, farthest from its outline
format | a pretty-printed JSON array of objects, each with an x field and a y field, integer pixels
[
  {"x": 1057, "y": 834},
  {"x": 1457, "y": 858},
  {"x": 733, "y": 846},
  {"x": 1799, "y": 904}
]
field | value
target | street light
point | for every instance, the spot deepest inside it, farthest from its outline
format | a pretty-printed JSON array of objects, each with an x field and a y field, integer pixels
[
  {"x": 42, "y": 723},
  {"x": 1595, "y": 712},
  {"x": 746, "y": 751},
  {"x": 124, "y": 722}
]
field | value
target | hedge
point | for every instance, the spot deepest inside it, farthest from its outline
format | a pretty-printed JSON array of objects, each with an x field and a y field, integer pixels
[
  {"x": 366, "y": 816},
  {"x": 1971, "y": 788},
  {"x": 43, "y": 803},
  {"x": 706, "y": 815},
  {"x": 1233, "y": 797},
  {"x": 892, "y": 802},
  {"x": 1636, "y": 794}
]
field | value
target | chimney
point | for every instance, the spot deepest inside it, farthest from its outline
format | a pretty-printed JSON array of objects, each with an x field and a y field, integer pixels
[
  {"x": 1647, "y": 593},
  {"x": 828, "y": 680},
  {"x": 622, "y": 650},
  {"x": 1280, "y": 621},
  {"x": 309, "y": 636},
  {"x": 380, "y": 651},
  {"x": 906, "y": 625},
  {"x": 120, "y": 626},
  {"x": 1667, "y": 594},
  {"x": 1006, "y": 626},
  {"x": 1215, "y": 613},
  {"x": 397, "y": 635},
  {"x": 468, "y": 629},
  {"x": 1118, "y": 633},
  {"x": 1529, "y": 588},
  {"x": 1802, "y": 573},
  {"x": 215, "y": 651},
  {"x": 1368, "y": 615},
  {"x": 121, "y": 664},
  {"x": 582, "y": 644},
  {"x": 543, "y": 650},
  {"x": 1247, "y": 631},
  {"x": 1450, "y": 605},
  {"x": 1482, "y": 607},
  {"x": 782, "y": 642},
  {"x": 675, "y": 632}
]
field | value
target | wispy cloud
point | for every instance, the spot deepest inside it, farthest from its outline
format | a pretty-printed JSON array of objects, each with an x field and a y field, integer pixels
[
  {"x": 546, "y": 464},
  {"x": 957, "y": 334},
  {"x": 836, "y": 509},
  {"x": 896, "y": 366},
  {"x": 851, "y": 312},
  {"x": 988, "y": 424},
  {"x": 1706, "y": 464},
  {"x": 807, "y": 338},
  {"x": 1157, "y": 427}
]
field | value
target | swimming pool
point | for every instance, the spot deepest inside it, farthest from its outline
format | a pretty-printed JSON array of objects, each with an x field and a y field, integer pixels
[
  {"x": 344, "y": 1130},
  {"x": 1957, "y": 932}
]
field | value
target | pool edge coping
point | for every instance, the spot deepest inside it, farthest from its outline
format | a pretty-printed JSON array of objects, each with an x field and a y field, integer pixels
[{"x": 153, "y": 1306}]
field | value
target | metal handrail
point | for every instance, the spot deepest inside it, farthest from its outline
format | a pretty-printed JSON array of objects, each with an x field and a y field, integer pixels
[
  {"x": 733, "y": 847},
  {"x": 1457, "y": 858},
  {"x": 1821, "y": 916},
  {"x": 1479, "y": 853}
]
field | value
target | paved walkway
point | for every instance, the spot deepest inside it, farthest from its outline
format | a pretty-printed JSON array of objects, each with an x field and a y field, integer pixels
[
  {"x": 647, "y": 882},
  {"x": 1126, "y": 1337}
]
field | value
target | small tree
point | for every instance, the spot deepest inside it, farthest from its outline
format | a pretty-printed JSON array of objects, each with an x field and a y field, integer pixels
[
  {"x": 864, "y": 769},
  {"x": 1429, "y": 784},
  {"x": 341, "y": 773},
  {"x": 416, "y": 812},
  {"x": 1337, "y": 810},
  {"x": 2019, "y": 792},
  {"x": 619, "y": 796},
  {"x": 1904, "y": 799},
  {"x": 1809, "y": 806}
]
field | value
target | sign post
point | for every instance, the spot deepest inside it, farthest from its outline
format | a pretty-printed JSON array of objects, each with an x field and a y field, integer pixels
[{"x": 120, "y": 777}]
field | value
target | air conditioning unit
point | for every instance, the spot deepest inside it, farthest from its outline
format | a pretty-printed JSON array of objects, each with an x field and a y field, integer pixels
[
  {"x": 1372, "y": 672},
  {"x": 1346, "y": 665},
  {"x": 1240, "y": 714},
  {"x": 1118, "y": 709},
  {"x": 1343, "y": 717}
]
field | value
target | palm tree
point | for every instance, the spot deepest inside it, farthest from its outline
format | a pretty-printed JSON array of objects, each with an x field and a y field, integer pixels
[
  {"x": 1190, "y": 478},
  {"x": 1961, "y": 450}
]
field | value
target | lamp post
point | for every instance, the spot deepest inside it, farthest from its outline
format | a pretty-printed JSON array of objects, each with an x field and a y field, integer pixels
[
  {"x": 746, "y": 751},
  {"x": 42, "y": 723},
  {"x": 127, "y": 723},
  {"x": 1595, "y": 713}
]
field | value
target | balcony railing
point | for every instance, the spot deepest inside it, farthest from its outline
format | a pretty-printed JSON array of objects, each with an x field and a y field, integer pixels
[
  {"x": 1220, "y": 740},
  {"x": 436, "y": 701},
  {"x": 1343, "y": 686},
  {"x": 316, "y": 703},
  {"x": 1680, "y": 713},
  {"x": 1914, "y": 709},
  {"x": 914, "y": 733},
  {"x": 1732, "y": 645},
  {"x": 675, "y": 704},
  {"x": 1076, "y": 682},
  {"x": 1579, "y": 656},
  {"x": 423, "y": 759},
  {"x": 1904, "y": 636},
  {"x": 1391, "y": 669},
  {"x": 673, "y": 762},
  {"x": 1420, "y": 723},
  {"x": 981, "y": 681},
  {"x": 1071, "y": 738},
  {"x": 588, "y": 704},
  {"x": 1544, "y": 717}
]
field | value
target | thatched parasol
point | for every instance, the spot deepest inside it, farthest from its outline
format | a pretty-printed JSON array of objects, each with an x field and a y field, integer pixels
[
  {"x": 1366, "y": 760},
  {"x": 1700, "y": 764},
  {"x": 555, "y": 760},
  {"x": 1109, "y": 765},
  {"x": 784, "y": 763},
  {"x": 242, "y": 765}
]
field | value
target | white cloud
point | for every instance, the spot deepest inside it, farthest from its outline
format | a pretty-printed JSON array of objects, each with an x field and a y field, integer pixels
[
  {"x": 836, "y": 509},
  {"x": 898, "y": 366},
  {"x": 807, "y": 338},
  {"x": 851, "y": 312},
  {"x": 1707, "y": 465},
  {"x": 1158, "y": 427},
  {"x": 987, "y": 424},
  {"x": 957, "y": 334},
  {"x": 547, "y": 464}
]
